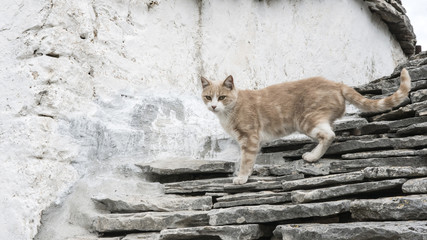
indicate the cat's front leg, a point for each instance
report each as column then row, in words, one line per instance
column 249, row 148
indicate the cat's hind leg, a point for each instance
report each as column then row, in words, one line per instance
column 324, row 134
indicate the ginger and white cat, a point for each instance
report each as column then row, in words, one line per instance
column 308, row 106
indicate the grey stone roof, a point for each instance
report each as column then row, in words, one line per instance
column 394, row 15
column 371, row 184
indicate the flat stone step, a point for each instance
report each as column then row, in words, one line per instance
column 176, row 168
column 413, row 207
column 149, row 221
column 394, row 172
column 138, row 203
column 275, row 213
column 407, row 111
column 418, row 185
column 418, row 128
column 142, row 236
column 230, row 232
column 404, row 230
column 386, row 153
column 363, row 145
column 303, row 196
column 360, row 164
column 255, row 198
column 226, row 184
column 314, row 182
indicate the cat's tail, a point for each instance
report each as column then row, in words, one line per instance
column 370, row 105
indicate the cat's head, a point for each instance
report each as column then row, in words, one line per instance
column 220, row 96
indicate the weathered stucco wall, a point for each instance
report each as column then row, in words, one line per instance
column 90, row 87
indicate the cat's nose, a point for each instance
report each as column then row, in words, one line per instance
column 213, row 107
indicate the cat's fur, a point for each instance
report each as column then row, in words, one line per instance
column 309, row 106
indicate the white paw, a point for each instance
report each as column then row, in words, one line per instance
column 310, row 157
column 240, row 180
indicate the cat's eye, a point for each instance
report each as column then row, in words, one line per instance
column 221, row 98
column 208, row 98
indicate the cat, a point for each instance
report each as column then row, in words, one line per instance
column 308, row 106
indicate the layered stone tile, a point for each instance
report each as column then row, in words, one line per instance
column 149, row 221
column 403, row 230
column 230, row 232
column 275, row 213
column 138, row 203
column 252, row 198
column 314, row 182
column 394, row 172
column 302, row 196
column 418, row 185
column 413, row 207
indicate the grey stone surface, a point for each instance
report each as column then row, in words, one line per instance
column 363, row 145
column 385, row 153
column 149, row 221
column 232, row 232
column 274, row 213
column 359, row 164
column 273, row 170
column 419, row 96
column 413, row 207
column 393, row 14
column 302, row 196
column 418, row 128
column 403, row 230
column 177, row 166
column 406, row 111
column 372, row 128
column 314, row 182
column 142, row 236
column 418, row 185
column 273, row 183
column 397, row 124
column 226, row 184
column 252, row 198
column 348, row 124
column 394, row 172
column 138, row 203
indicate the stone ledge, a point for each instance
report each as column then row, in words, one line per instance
column 413, row 207
column 231, row 232
column 405, row 230
column 303, row 196
column 275, row 213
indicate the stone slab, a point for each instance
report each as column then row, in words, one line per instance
column 314, row 182
column 348, row 124
column 374, row 144
column 231, row 232
column 406, row 111
column 226, row 184
column 385, row 153
column 359, row 164
column 261, row 185
column 179, row 166
column 419, row 96
column 413, row 207
column 364, row 145
column 372, row 128
column 302, row 196
column 138, row 203
column 394, row 172
column 403, row 230
column 252, row 198
column 275, row 213
column 142, row 236
column 149, row 221
column 418, row 185
column 415, row 129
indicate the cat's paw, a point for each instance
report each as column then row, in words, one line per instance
column 240, row 180
column 310, row 157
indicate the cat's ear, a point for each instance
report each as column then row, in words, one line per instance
column 205, row 82
column 228, row 83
